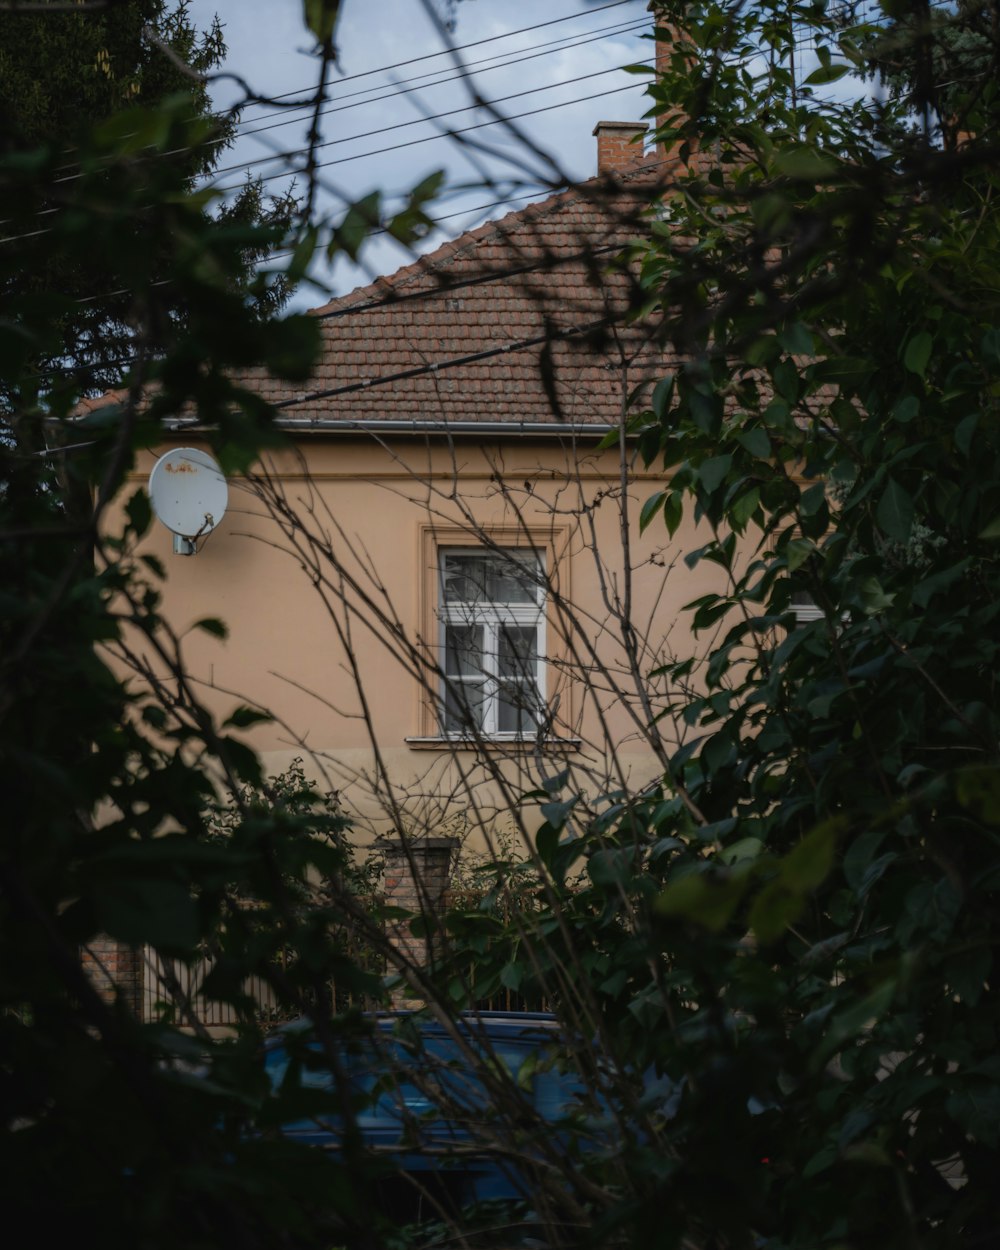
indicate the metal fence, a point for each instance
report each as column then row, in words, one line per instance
column 173, row 990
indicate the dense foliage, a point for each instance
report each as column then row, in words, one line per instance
column 64, row 73
column 116, row 1132
column 800, row 926
column 775, row 969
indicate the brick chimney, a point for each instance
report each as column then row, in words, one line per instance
column 619, row 146
column 668, row 37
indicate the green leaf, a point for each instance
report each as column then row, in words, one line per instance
column 809, row 864
column 741, row 851
column 673, row 511
column 155, row 910
column 709, row 902
column 874, row 598
column 321, row 18
column 847, row 1024
column 555, row 813
column 991, row 529
column 650, row 508
column 511, row 976
column 798, row 552
column 712, row 472
column 906, row 409
column 786, row 380
column 804, row 162
column 978, row 790
column 662, row 394
column 846, row 371
column 756, row 443
column 894, row 513
column 744, row 507
column 989, row 347
column 553, row 784
column 293, row 346
column 610, row 868
column 241, row 759
column 302, row 256
column 918, row 353
column 965, row 432
column 826, row 74
column 797, row 340
column 763, row 350
column 706, row 412
column 773, row 910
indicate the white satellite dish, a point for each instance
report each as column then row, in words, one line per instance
column 189, row 495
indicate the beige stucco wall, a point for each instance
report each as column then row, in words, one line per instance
column 330, row 607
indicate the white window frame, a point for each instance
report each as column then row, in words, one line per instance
column 491, row 618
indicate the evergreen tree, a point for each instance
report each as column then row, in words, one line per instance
column 63, row 73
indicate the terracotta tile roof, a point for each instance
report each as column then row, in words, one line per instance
column 537, row 300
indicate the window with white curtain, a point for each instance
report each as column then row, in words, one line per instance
column 491, row 608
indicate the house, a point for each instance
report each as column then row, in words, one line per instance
column 440, row 591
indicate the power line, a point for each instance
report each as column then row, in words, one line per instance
column 403, row 86
column 454, row 362
column 418, row 121
column 445, row 134
column 476, row 43
column 289, row 153
column 385, row 69
column 399, row 90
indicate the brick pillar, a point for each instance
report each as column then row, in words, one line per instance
column 417, row 874
column 116, row 970
column 619, row 146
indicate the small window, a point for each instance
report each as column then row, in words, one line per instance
column 491, row 609
column 805, row 607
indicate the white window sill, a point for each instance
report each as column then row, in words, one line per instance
column 445, row 742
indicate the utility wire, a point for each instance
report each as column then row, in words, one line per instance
column 450, row 133
column 453, row 362
column 290, row 153
column 443, row 134
column 428, row 56
column 305, row 113
column 405, row 85
column 433, row 117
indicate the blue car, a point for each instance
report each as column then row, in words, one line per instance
column 462, row 1114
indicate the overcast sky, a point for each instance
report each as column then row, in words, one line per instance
column 394, row 72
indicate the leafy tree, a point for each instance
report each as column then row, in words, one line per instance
column 943, row 58
column 62, row 73
column 115, row 1132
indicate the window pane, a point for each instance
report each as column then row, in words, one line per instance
column 516, row 709
column 513, row 578
column 463, row 650
column 510, row 577
column 518, row 654
column 464, row 706
column 462, row 578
